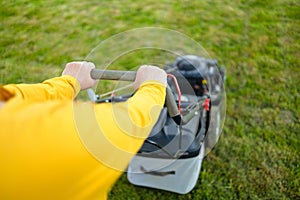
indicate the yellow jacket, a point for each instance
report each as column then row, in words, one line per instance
column 52, row 147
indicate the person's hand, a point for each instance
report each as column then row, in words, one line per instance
column 81, row 71
column 149, row 73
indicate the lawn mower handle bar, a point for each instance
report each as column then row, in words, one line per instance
column 130, row 76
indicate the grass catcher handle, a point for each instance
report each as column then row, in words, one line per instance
column 130, row 76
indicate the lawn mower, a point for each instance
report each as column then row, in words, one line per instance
column 188, row 127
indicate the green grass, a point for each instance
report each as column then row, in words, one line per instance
column 257, row 156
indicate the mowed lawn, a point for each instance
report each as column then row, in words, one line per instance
column 257, row 156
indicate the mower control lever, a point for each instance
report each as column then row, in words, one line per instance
column 130, row 76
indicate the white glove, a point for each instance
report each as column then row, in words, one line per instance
column 149, row 73
column 81, row 71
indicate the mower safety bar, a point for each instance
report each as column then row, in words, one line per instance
column 130, row 76
column 113, row 75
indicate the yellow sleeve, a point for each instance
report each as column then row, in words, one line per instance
column 63, row 149
column 64, row 87
column 126, row 125
column 120, row 128
column 149, row 98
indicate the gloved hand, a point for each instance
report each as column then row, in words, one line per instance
column 81, row 71
column 149, row 73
